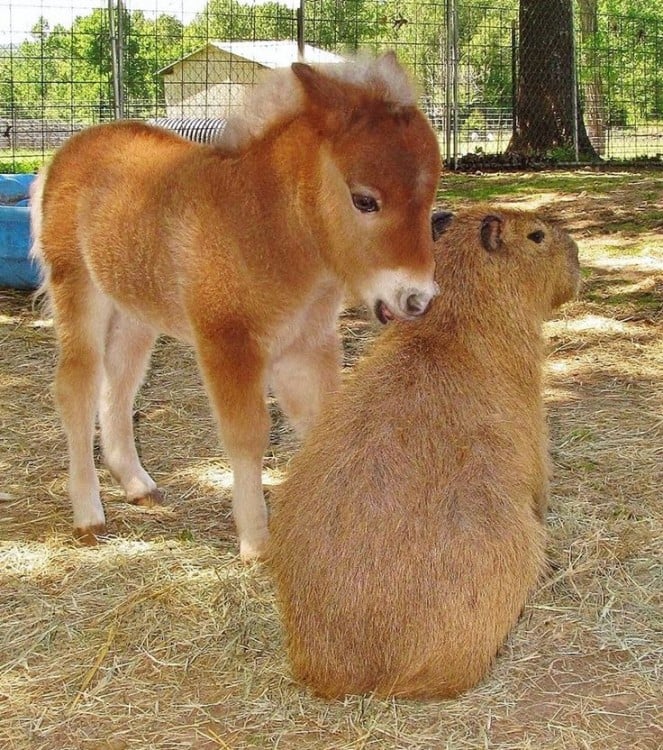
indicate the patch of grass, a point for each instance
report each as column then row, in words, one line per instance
column 186, row 535
column 646, row 301
column 577, row 435
column 622, row 208
column 504, row 186
column 626, row 250
column 19, row 163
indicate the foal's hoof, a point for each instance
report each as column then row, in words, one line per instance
column 90, row 536
column 253, row 551
column 153, row 499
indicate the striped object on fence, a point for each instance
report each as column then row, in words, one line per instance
column 201, row 130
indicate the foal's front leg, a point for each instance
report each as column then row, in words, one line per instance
column 233, row 370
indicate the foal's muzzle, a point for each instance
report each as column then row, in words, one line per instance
column 405, row 304
column 415, row 303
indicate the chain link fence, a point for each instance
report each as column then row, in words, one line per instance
column 503, row 82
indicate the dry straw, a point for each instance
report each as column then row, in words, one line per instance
column 161, row 638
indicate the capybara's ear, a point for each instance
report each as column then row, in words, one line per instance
column 440, row 220
column 491, row 232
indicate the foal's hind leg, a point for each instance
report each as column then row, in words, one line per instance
column 81, row 316
column 301, row 380
column 128, row 347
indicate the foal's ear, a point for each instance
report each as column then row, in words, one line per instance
column 389, row 66
column 321, row 90
column 491, row 232
column 389, row 57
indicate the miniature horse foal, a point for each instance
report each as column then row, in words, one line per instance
column 243, row 249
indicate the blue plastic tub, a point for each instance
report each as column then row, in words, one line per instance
column 16, row 269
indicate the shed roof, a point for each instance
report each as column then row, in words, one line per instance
column 268, row 53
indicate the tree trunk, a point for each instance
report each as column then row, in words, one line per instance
column 593, row 86
column 546, row 96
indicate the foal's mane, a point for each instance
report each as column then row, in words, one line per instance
column 278, row 96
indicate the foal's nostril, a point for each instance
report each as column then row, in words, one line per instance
column 416, row 304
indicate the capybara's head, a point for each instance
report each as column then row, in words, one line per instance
column 509, row 251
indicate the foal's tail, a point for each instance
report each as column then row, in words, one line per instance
column 36, row 250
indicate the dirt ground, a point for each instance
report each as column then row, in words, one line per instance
column 162, row 639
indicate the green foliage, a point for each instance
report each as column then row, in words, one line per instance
column 65, row 73
column 346, row 26
column 231, row 20
column 486, row 32
column 562, row 154
column 626, row 54
column 150, row 44
column 417, row 31
column 37, row 80
column 20, row 163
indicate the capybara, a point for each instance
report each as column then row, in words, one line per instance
column 408, row 532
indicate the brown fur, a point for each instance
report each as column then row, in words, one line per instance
column 244, row 249
column 408, row 531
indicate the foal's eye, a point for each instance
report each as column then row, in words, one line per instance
column 365, row 203
column 537, row 236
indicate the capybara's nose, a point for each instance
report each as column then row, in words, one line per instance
column 416, row 303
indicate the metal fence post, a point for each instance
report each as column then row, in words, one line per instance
column 514, row 78
column 456, row 123
column 448, row 83
column 300, row 29
column 451, row 83
column 115, row 23
column 574, row 93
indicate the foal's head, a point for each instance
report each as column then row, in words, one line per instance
column 375, row 164
column 380, row 165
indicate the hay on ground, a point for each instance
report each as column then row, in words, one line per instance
column 161, row 638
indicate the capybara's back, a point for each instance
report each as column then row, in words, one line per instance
column 409, row 530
